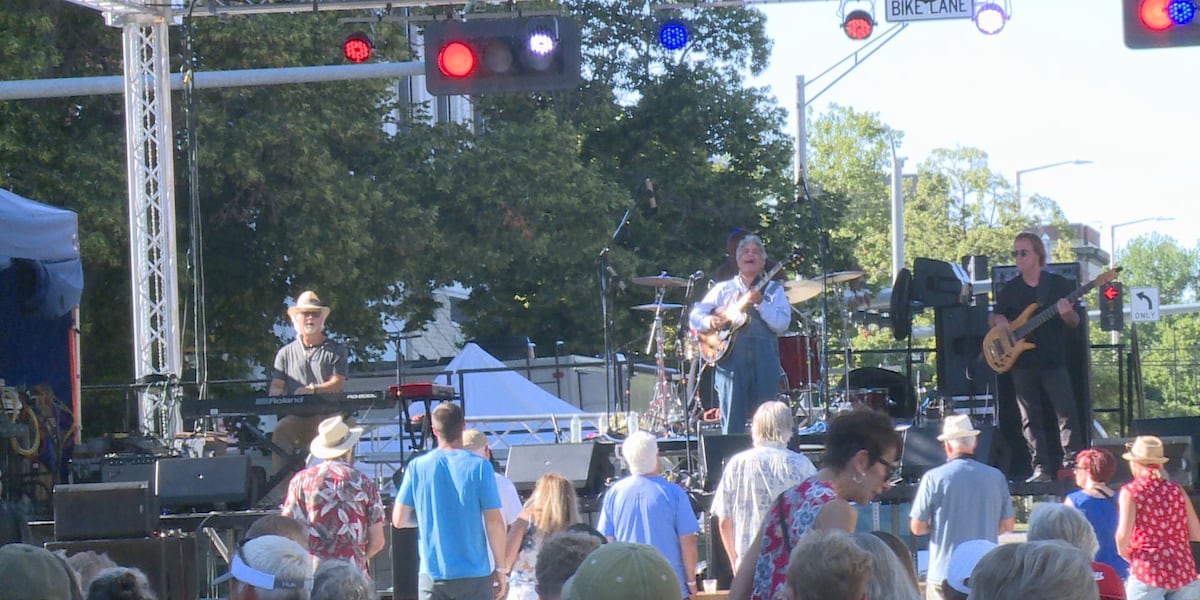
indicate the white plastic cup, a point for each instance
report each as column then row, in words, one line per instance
column 710, row 586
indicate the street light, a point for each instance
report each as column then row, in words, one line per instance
column 1112, row 235
column 1039, row 168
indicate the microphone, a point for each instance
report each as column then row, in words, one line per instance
column 697, row 274
column 613, row 273
column 650, row 190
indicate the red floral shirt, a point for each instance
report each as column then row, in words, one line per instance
column 337, row 503
column 1159, row 552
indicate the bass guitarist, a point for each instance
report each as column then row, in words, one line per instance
column 1040, row 375
column 748, row 372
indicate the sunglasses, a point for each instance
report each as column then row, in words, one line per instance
column 1022, row 252
column 893, row 471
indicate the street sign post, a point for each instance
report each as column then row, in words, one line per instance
column 927, row 10
column 1143, row 304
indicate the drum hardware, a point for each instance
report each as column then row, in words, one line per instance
column 665, row 413
column 840, row 276
column 662, row 280
column 801, row 290
column 657, row 306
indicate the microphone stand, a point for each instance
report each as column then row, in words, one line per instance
column 822, row 259
column 610, row 374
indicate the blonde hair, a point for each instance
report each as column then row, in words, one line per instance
column 553, row 506
column 827, row 565
column 1153, row 471
column 772, row 423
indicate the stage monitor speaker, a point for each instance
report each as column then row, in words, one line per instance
column 170, row 563
column 922, row 450
column 937, row 283
column 93, row 511
column 405, row 563
column 1181, row 465
column 715, row 451
column 219, row 481
column 717, row 563
column 1173, row 426
column 585, row 465
column 128, row 468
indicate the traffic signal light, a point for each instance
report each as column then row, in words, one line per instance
column 1112, row 307
column 1160, row 23
column 501, row 55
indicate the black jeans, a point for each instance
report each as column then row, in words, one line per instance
column 1034, row 387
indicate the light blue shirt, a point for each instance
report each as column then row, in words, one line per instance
column 647, row 509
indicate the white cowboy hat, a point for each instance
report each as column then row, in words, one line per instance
column 334, row 438
column 957, row 426
column 307, row 301
column 1145, row 449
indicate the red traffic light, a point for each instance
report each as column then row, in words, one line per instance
column 357, row 47
column 1110, row 292
column 456, row 60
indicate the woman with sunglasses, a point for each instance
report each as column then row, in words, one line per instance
column 862, row 450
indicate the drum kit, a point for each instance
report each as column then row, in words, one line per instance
column 799, row 355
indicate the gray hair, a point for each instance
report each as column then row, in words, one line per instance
column 88, row 565
column 120, row 583
column 281, row 557
column 340, row 580
column 773, row 422
column 1041, row 570
column 1053, row 521
column 641, row 452
column 889, row 579
column 964, row 444
column 750, row 239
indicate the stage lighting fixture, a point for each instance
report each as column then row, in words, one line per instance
column 990, row 18
column 673, row 35
column 858, row 25
column 501, row 55
column 357, row 47
column 1181, row 12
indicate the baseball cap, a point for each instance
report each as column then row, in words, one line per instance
column 1107, row 581
column 33, row 572
column 623, row 571
column 962, row 562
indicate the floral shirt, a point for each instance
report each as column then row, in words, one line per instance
column 750, row 482
column 338, row 504
column 1159, row 552
column 801, row 504
column 522, row 583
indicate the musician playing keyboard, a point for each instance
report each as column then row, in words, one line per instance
column 310, row 364
column 748, row 373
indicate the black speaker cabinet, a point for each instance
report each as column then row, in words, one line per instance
column 715, row 451
column 168, row 562
column 718, row 566
column 1174, row 426
column 1178, row 448
column 128, row 468
column 201, row 482
column 922, row 450
column 405, row 563
column 90, row 511
column 959, row 333
column 585, row 465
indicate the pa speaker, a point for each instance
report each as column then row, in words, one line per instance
column 715, row 451
column 170, row 563
column 922, row 451
column 92, row 511
column 718, row 566
column 405, row 563
column 1175, row 426
column 959, row 331
column 195, row 482
column 128, row 468
column 585, row 465
column 1181, row 465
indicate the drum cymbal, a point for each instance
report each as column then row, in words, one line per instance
column 658, row 306
column 661, row 281
column 799, row 290
column 841, row 276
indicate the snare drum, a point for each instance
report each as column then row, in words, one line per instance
column 801, row 360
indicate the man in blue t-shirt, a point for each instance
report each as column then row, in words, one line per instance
column 644, row 508
column 961, row 500
column 450, row 495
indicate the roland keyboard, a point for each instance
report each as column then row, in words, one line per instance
column 305, row 405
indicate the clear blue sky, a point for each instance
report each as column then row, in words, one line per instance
column 1056, row 84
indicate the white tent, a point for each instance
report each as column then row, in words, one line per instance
column 489, row 390
column 47, row 235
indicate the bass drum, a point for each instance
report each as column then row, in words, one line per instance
column 800, row 358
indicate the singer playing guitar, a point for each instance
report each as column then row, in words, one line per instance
column 1040, row 374
column 748, row 373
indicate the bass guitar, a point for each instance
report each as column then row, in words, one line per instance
column 1001, row 348
column 714, row 344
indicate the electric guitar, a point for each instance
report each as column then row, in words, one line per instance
column 714, row 344
column 1001, row 348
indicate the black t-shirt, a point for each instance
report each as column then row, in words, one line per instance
column 1016, row 296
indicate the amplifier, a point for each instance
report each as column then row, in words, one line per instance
column 128, row 468
column 219, row 481
column 93, row 511
column 170, row 563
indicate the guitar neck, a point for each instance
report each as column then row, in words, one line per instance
column 1050, row 312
